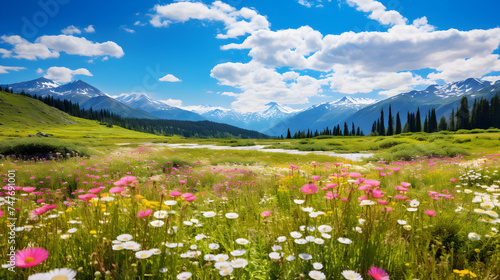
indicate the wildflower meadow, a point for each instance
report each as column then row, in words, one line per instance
column 138, row 214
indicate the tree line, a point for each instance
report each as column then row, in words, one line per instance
column 336, row 131
column 484, row 114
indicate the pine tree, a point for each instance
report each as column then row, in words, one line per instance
column 442, row 124
column 451, row 120
column 418, row 121
column 426, row 125
column 398, row 124
column 495, row 111
column 381, row 131
column 358, row 132
column 433, row 124
column 463, row 114
column 288, row 134
column 390, row 125
column 353, row 130
column 346, row 129
column 473, row 121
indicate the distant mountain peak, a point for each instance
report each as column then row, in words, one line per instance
column 349, row 100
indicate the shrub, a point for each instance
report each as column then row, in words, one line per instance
column 33, row 147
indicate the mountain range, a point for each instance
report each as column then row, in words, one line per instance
column 276, row 118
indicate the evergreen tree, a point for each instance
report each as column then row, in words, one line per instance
column 390, row 125
column 433, row 124
column 418, row 121
column 358, row 132
column 463, row 114
column 381, row 131
column 288, row 134
column 346, row 129
column 426, row 125
column 495, row 111
column 451, row 120
column 353, row 130
column 398, row 124
column 442, row 124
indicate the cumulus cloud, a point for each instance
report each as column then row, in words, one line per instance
column 89, row 29
column 5, row 53
column 169, row 78
column 71, row 30
column 172, row 102
column 50, row 47
column 236, row 22
column 461, row 69
column 64, row 74
column 491, row 78
column 378, row 12
column 260, row 85
column 39, row 71
column 6, row 69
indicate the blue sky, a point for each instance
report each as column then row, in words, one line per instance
column 243, row 54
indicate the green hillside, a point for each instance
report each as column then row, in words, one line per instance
column 21, row 116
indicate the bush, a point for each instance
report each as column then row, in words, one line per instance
column 410, row 151
column 34, row 147
column 388, row 143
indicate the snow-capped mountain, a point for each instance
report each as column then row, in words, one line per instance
column 320, row 116
column 443, row 98
column 78, row 87
column 157, row 108
column 260, row 121
column 80, row 92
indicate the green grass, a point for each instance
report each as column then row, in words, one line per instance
column 22, row 116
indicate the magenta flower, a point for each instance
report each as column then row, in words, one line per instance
column 86, row 197
column 266, row 213
column 404, row 184
column 49, row 207
column 371, row 182
column 354, row 175
column 316, row 178
column 430, row 213
column 378, row 273
column 1, row 213
column 309, row 188
column 182, row 181
column 116, row 189
column 293, row 167
column 39, row 211
column 399, row 197
column 174, row 193
column 384, row 202
column 30, row 257
column 144, row 213
column 95, row 190
column 377, row 193
column 29, row 189
column 331, row 185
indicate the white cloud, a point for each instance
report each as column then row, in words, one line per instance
column 288, row 47
column 50, row 47
column 260, row 85
column 491, row 78
column 6, row 69
column 138, row 23
column 105, row 58
column 65, row 75
column 89, row 29
column 461, row 69
column 39, row 71
column 5, row 53
column 169, row 78
column 71, row 30
column 305, row 3
column 128, row 30
column 236, row 22
column 378, row 12
column 172, row 102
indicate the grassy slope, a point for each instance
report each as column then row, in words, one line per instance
column 22, row 116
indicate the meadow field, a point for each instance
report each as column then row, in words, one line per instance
column 140, row 211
